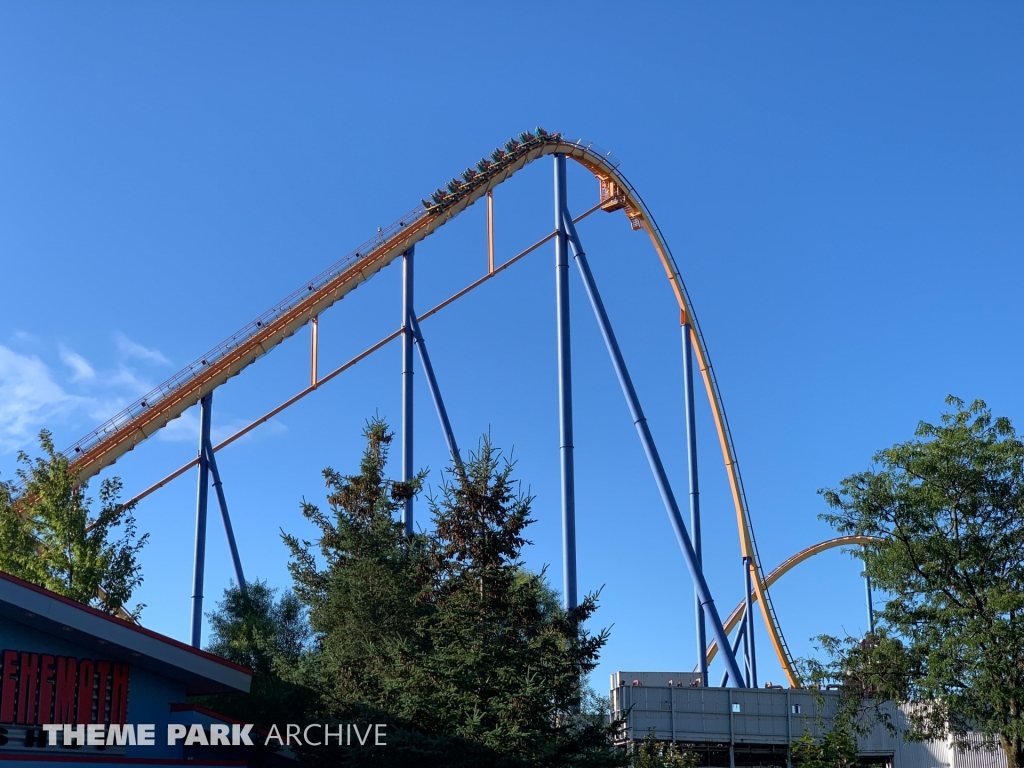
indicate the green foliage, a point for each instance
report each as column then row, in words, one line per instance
column 253, row 629
column 651, row 753
column 836, row 749
column 48, row 537
column 444, row 635
column 269, row 636
column 947, row 509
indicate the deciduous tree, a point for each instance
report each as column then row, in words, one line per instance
column 947, row 513
column 48, row 535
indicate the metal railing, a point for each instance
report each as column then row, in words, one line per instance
column 187, row 374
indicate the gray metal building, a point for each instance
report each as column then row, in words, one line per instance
column 756, row 726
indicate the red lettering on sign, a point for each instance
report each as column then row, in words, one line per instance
column 64, row 703
column 45, row 688
column 86, row 685
column 40, row 689
column 102, row 677
column 27, row 678
column 119, row 695
column 8, row 679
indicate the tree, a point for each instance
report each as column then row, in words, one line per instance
column 443, row 635
column 837, row 748
column 268, row 635
column 49, row 537
column 947, row 513
column 651, row 753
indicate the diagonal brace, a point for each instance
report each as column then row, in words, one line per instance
column 741, row 635
column 653, row 458
column 435, row 391
column 223, row 504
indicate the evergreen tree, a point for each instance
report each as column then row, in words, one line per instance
column 444, row 635
column 48, row 536
column 364, row 600
column 268, row 635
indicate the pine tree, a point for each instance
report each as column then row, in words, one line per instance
column 445, row 635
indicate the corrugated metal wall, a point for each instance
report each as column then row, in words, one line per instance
column 770, row 717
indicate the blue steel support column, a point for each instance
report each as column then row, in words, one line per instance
column 435, row 391
column 653, row 458
column 748, row 618
column 229, row 531
column 565, row 391
column 691, row 448
column 407, row 345
column 741, row 633
column 199, row 571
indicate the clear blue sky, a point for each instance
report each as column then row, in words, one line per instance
column 842, row 187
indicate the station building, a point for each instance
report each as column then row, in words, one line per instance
column 756, row 726
column 62, row 662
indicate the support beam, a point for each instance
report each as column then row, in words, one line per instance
column 435, row 391
column 229, row 531
column 314, row 349
column 490, row 231
column 407, row 345
column 741, row 633
column 199, row 563
column 691, row 449
column 748, row 620
column 565, row 437
column 653, row 458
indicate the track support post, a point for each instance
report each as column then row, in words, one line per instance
column 407, row 349
column 651, row 450
column 490, row 231
column 691, row 451
column 314, row 349
column 565, row 450
column 199, row 563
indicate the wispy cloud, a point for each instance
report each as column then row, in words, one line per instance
column 185, row 429
column 127, row 379
column 133, row 349
column 75, row 394
column 79, row 365
column 29, row 398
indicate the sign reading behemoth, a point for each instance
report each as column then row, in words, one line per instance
column 41, row 688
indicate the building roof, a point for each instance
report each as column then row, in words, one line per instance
column 119, row 640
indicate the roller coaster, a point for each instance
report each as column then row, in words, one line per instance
column 196, row 382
